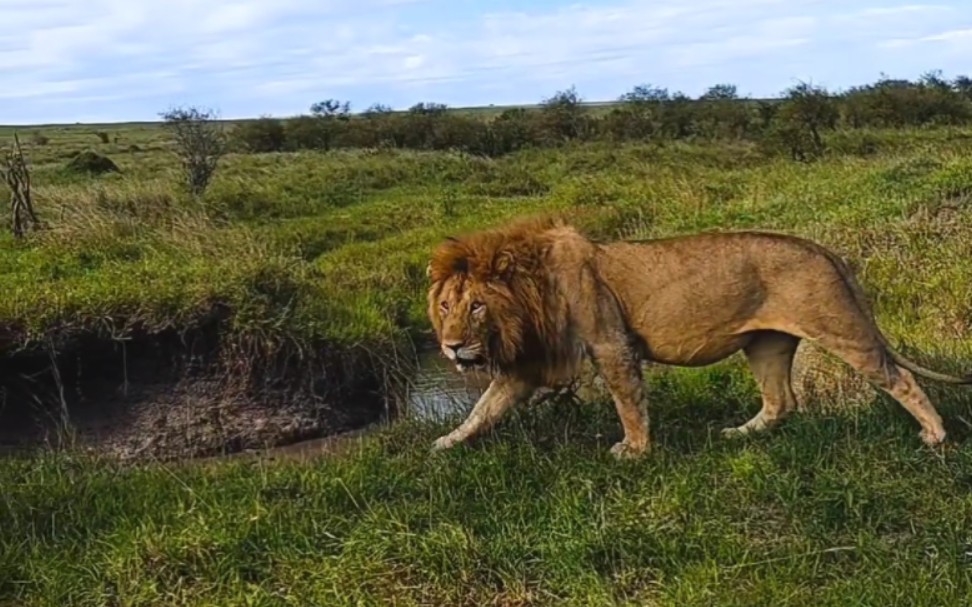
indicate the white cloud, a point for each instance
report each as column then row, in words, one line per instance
column 280, row 55
column 962, row 36
column 953, row 41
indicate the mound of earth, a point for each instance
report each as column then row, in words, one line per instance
column 92, row 163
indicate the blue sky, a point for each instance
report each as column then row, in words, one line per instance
column 116, row 60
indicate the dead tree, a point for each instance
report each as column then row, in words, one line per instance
column 16, row 174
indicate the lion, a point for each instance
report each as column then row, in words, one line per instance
column 531, row 301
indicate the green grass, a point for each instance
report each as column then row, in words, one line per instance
column 832, row 510
column 841, row 506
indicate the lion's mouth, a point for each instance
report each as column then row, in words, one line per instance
column 469, row 360
column 465, row 358
column 466, row 363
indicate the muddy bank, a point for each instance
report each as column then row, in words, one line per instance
column 169, row 396
column 176, row 396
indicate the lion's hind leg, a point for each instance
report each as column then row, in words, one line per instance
column 906, row 391
column 877, row 367
column 770, row 357
column 867, row 355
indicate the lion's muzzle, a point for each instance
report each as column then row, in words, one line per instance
column 464, row 355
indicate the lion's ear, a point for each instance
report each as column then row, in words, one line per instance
column 428, row 270
column 503, row 264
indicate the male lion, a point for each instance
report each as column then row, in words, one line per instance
column 531, row 300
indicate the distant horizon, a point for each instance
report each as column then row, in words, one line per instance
column 487, row 106
column 124, row 61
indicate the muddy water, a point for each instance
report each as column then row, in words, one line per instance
column 438, row 391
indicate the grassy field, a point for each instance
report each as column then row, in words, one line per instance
column 327, row 252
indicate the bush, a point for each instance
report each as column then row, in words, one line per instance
column 512, row 130
column 262, row 135
column 200, row 143
column 794, row 125
column 331, row 117
column 563, row 118
column 305, row 133
column 722, row 114
column 898, row 103
column 806, row 113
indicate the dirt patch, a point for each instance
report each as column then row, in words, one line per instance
column 166, row 398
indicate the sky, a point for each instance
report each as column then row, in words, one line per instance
column 65, row 61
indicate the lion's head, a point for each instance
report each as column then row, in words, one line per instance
column 487, row 301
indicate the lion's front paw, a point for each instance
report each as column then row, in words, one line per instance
column 932, row 437
column 734, row 432
column 623, row 450
column 442, row 443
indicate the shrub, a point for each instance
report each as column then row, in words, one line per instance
column 898, row 103
column 794, row 124
column 200, row 143
column 563, row 118
column 265, row 134
column 805, row 114
column 331, row 117
column 722, row 114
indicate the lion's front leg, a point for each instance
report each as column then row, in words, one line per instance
column 502, row 393
column 620, row 367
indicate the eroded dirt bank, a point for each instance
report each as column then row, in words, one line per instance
column 180, row 396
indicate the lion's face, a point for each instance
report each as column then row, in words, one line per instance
column 484, row 300
column 464, row 321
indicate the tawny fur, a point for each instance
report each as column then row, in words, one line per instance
column 528, row 301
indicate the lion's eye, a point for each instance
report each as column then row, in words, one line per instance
column 445, row 306
column 476, row 306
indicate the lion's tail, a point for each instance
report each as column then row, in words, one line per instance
column 896, row 356
column 916, row 368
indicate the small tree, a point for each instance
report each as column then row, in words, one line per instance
column 563, row 117
column 200, row 143
column 679, row 120
column 331, row 108
column 331, row 116
column 963, row 86
column 723, row 113
column 428, row 108
column 375, row 129
column 805, row 113
column 639, row 115
column 510, row 131
column 720, row 92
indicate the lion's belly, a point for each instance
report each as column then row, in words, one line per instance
column 689, row 348
column 680, row 329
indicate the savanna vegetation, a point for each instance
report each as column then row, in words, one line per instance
column 298, row 247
